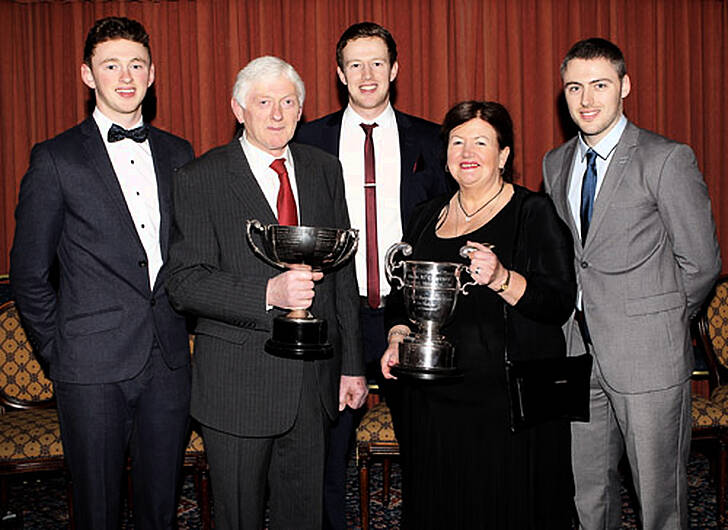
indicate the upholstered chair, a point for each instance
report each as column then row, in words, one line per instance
column 30, row 436
column 710, row 414
column 374, row 439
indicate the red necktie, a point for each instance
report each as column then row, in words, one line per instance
column 285, row 203
column 370, row 200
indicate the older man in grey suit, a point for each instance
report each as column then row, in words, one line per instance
column 646, row 256
column 264, row 418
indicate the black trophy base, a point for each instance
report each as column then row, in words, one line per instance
column 427, row 374
column 299, row 338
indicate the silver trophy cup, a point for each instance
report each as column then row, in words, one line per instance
column 430, row 290
column 299, row 334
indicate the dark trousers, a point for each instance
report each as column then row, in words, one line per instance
column 291, row 465
column 147, row 415
column 374, row 337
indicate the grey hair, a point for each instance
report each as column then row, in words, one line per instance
column 266, row 67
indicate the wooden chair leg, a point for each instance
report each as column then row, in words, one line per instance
column 364, row 490
column 203, row 497
column 197, row 480
column 386, row 469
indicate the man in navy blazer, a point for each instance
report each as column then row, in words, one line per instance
column 87, row 273
column 409, row 169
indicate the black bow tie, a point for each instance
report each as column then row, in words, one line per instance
column 139, row 134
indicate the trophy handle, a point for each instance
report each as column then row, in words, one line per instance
column 465, row 252
column 390, row 266
column 254, row 224
column 349, row 238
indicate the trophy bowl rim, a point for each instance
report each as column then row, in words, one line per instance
column 341, row 243
column 431, row 263
column 309, row 228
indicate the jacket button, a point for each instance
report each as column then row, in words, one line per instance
column 584, row 264
column 153, row 302
column 142, row 264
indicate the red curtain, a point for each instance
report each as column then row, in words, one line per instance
column 449, row 50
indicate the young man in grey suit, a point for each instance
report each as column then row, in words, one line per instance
column 87, row 272
column 646, row 255
column 264, row 418
column 408, row 170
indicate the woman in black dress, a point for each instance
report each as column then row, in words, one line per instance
column 462, row 466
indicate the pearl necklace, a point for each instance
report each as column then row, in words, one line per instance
column 469, row 216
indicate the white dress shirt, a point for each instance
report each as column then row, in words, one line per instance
column 134, row 168
column 387, row 167
column 268, row 180
column 604, row 150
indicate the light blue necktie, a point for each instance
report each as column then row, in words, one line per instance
column 588, row 188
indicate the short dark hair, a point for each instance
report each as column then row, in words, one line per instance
column 596, row 48
column 111, row 28
column 360, row 31
column 491, row 112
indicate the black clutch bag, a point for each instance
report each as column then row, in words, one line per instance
column 541, row 390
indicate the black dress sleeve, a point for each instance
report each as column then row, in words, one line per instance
column 544, row 255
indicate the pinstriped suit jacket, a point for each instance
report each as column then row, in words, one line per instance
column 650, row 258
column 237, row 387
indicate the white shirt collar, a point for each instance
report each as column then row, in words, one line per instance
column 607, row 144
column 262, row 159
column 104, row 123
column 386, row 119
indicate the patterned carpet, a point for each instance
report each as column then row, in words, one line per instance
column 42, row 501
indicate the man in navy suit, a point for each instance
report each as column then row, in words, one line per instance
column 87, row 273
column 408, row 169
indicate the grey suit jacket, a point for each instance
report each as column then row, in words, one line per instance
column 237, row 387
column 650, row 258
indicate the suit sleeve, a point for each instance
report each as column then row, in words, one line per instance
column 38, row 227
column 545, row 175
column 684, row 207
column 197, row 284
column 186, row 153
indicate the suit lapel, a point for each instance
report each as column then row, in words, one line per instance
column 408, row 153
column 306, row 188
column 333, row 134
column 561, row 189
column 245, row 186
column 99, row 159
column 613, row 178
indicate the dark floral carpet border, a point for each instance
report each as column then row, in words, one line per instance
column 42, row 500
